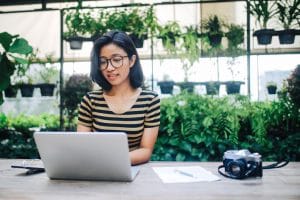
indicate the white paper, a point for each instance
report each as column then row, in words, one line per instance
column 184, row 174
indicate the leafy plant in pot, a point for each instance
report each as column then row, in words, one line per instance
column 14, row 51
column 169, row 33
column 189, row 53
column 293, row 87
column 78, row 24
column 48, row 75
column 233, row 86
column 138, row 25
column 263, row 10
column 288, row 13
column 166, row 85
column 271, row 87
column 213, row 30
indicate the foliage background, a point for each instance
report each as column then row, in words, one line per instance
column 193, row 128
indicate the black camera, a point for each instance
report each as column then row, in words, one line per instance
column 241, row 164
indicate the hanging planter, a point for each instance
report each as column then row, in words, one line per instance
column 286, row 36
column 288, row 14
column 76, row 42
column 264, row 36
column 47, row 89
column 27, row 90
column 272, row 89
column 166, row 87
column 212, row 88
column 233, row 87
column 186, row 86
column 138, row 41
column 11, row 91
column 215, row 39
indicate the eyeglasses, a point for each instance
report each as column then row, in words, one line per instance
column 115, row 61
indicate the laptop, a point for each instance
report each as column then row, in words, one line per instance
column 86, row 155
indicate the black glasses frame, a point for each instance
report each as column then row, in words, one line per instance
column 111, row 62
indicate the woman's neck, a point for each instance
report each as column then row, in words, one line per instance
column 121, row 90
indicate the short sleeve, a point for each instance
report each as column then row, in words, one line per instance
column 152, row 118
column 85, row 112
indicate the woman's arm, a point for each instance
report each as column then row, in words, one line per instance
column 81, row 128
column 143, row 154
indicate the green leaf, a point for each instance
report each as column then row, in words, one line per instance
column 186, row 146
column 5, row 40
column 198, row 138
column 174, row 141
column 207, row 122
column 20, row 46
column 180, row 157
column 19, row 60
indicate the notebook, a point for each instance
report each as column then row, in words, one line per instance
column 86, row 155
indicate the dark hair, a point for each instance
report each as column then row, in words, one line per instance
column 123, row 41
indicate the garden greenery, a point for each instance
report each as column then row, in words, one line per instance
column 193, row 128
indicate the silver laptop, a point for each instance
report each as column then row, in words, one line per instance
column 86, row 155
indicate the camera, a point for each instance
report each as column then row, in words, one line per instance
column 241, row 164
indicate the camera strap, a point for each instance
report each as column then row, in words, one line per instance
column 278, row 164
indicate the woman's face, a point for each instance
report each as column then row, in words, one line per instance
column 115, row 64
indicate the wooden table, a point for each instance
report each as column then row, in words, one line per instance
column 282, row 183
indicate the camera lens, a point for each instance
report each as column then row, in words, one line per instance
column 236, row 168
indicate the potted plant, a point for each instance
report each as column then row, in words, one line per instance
column 271, row 87
column 189, row 53
column 14, row 50
column 235, row 37
column 212, row 87
column 169, row 34
column 76, row 22
column 48, row 75
column 233, row 86
column 288, row 13
column 293, row 87
column 263, row 10
column 138, row 25
column 166, row 85
column 213, row 30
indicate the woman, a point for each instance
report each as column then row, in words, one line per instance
column 121, row 104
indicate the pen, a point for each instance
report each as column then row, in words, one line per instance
column 184, row 173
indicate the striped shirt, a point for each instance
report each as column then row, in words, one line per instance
column 145, row 113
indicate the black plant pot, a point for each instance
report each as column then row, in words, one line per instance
column 27, row 90
column 76, row 42
column 166, row 87
column 233, row 87
column 47, row 89
column 212, row 88
column 264, row 36
column 186, row 86
column 272, row 89
column 170, row 38
column 138, row 41
column 286, row 36
column 215, row 40
column 11, row 91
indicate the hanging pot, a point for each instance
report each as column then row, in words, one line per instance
column 272, row 89
column 186, row 86
column 166, row 87
column 47, row 89
column 138, row 41
column 286, row 36
column 11, row 91
column 27, row 90
column 264, row 36
column 212, row 88
column 233, row 87
column 215, row 39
